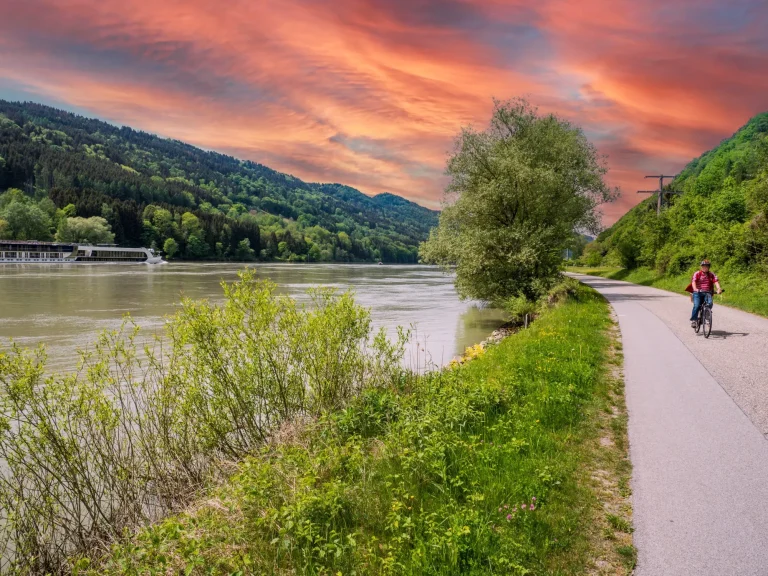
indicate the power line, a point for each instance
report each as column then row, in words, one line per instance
column 661, row 192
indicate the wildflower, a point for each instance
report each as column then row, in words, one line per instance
column 514, row 509
column 506, row 506
column 509, row 517
column 533, row 507
column 534, row 498
column 499, row 509
column 523, row 506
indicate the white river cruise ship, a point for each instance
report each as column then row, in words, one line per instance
column 30, row 252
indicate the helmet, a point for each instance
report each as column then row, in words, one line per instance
column 705, row 262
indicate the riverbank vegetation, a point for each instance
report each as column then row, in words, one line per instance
column 136, row 432
column 164, row 194
column 318, row 455
column 492, row 467
column 721, row 214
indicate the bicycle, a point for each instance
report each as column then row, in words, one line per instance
column 704, row 319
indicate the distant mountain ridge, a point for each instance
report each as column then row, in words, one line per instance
column 128, row 175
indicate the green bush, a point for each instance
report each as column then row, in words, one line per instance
column 520, row 307
column 134, row 433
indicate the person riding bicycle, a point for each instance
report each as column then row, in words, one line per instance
column 702, row 283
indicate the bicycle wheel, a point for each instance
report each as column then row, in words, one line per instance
column 707, row 322
column 699, row 321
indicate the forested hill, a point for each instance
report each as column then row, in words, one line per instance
column 144, row 185
column 721, row 214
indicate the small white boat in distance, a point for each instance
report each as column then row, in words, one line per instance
column 31, row 252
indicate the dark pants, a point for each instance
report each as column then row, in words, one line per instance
column 698, row 299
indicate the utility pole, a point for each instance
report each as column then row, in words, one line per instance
column 660, row 191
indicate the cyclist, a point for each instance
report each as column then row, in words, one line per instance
column 702, row 284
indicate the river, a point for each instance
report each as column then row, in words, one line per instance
column 65, row 306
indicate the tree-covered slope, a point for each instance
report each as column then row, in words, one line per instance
column 143, row 185
column 721, row 214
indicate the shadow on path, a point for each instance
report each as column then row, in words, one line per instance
column 611, row 297
column 723, row 334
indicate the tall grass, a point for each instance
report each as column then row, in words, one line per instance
column 478, row 469
column 129, row 438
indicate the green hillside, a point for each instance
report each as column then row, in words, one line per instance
column 143, row 186
column 722, row 214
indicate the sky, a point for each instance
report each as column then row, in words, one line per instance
column 372, row 93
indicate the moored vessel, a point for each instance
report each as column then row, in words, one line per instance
column 32, row 252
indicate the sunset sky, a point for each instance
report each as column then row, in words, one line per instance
column 370, row 93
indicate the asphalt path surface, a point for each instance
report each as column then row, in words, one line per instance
column 698, row 419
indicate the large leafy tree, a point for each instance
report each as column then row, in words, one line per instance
column 21, row 218
column 518, row 190
column 93, row 230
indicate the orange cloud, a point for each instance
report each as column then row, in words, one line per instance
column 371, row 93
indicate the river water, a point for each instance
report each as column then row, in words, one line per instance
column 65, row 306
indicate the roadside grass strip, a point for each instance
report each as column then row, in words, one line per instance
column 746, row 291
column 512, row 463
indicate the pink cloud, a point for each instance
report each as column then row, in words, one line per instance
column 371, row 94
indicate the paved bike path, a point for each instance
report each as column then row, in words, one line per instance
column 698, row 414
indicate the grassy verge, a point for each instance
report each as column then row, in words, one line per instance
column 748, row 292
column 514, row 463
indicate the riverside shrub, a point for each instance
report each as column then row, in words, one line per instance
column 136, row 432
column 475, row 470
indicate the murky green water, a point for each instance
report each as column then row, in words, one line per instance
column 65, row 306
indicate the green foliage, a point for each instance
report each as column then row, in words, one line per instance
column 300, row 361
column 519, row 190
column 69, row 211
column 22, row 218
column 196, row 247
column 721, row 215
column 128, row 177
column 474, row 470
column 520, row 308
column 170, row 248
column 244, row 251
column 577, row 244
column 135, row 433
column 93, row 230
